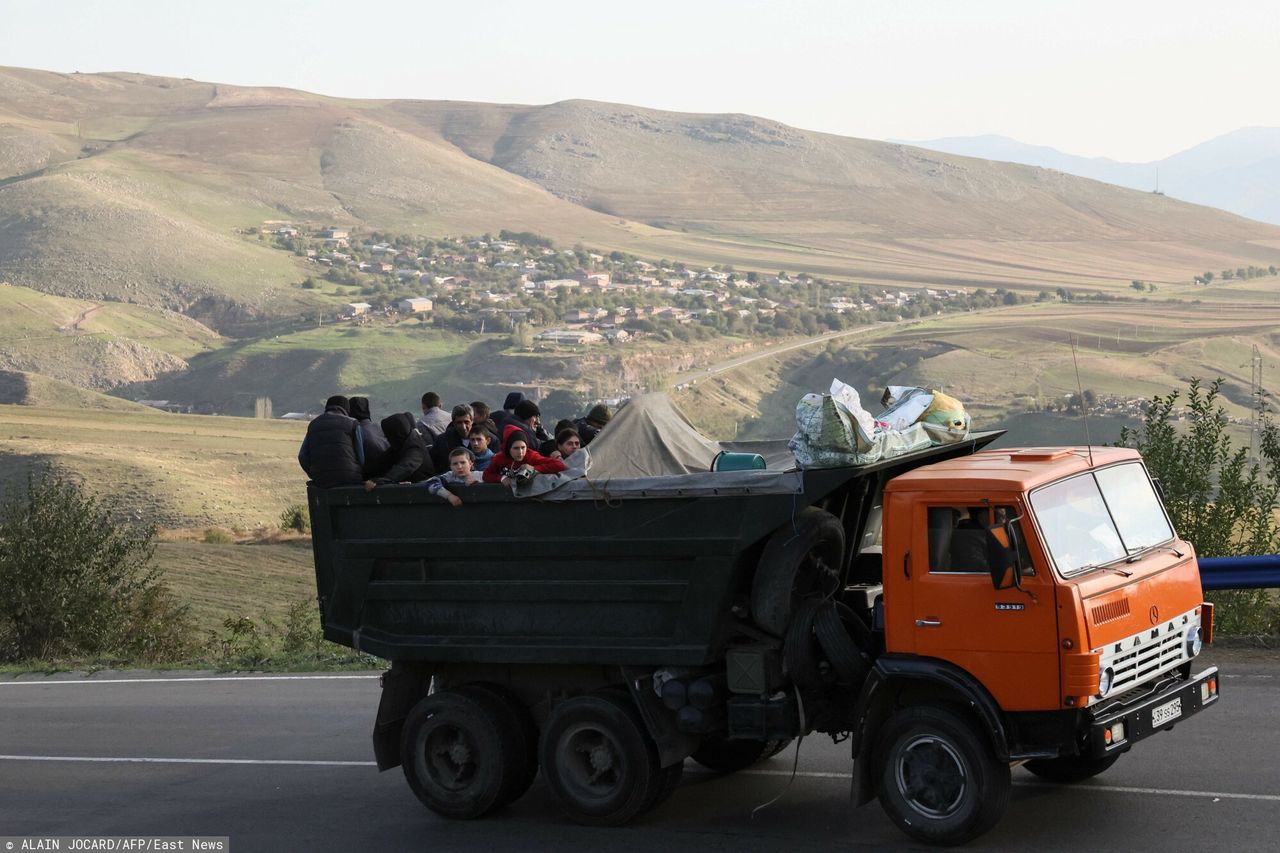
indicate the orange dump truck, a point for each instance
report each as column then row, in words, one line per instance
column 955, row 612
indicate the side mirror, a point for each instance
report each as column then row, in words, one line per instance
column 1005, row 556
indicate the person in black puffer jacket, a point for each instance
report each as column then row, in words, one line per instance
column 332, row 453
column 376, row 445
column 409, row 454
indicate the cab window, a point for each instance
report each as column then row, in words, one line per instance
column 972, row 539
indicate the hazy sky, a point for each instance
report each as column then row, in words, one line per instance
column 1130, row 80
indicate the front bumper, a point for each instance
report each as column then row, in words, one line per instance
column 1149, row 711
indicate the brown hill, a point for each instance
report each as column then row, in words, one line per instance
column 129, row 187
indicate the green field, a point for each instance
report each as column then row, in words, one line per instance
column 176, row 470
column 254, row 580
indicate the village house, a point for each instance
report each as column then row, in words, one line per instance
column 551, row 285
column 381, row 267
column 334, row 234
column 414, row 305
column 354, row 309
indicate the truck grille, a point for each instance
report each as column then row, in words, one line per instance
column 1148, row 661
column 1138, row 659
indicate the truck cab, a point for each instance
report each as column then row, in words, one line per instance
column 1047, row 591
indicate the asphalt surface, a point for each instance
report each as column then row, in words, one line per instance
column 284, row 763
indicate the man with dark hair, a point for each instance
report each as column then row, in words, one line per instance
column 590, row 426
column 455, row 435
column 375, row 443
column 332, row 453
column 434, row 418
column 480, row 418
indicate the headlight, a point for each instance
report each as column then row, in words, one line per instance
column 1105, row 679
column 1195, row 641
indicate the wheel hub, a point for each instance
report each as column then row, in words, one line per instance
column 931, row 776
column 601, row 758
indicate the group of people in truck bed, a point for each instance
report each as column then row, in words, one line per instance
column 469, row 444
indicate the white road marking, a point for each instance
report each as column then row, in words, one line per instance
column 197, row 680
column 804, row 774
column 135, row 760
column 1118, row 789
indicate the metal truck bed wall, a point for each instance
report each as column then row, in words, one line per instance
column 403, row 575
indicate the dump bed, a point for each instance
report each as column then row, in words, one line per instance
column 615, row 576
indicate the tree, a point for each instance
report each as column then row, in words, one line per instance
column 1207, row 276
column 521, row 336
column 1138, row 285
column 77, row 582
column 1219, row 499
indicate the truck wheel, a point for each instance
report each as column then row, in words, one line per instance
column 939, row 780
column 1075, row 768
column 801, row 560
column 458, row 753
column 516, row 717
column 725, row 755
column 599, row 761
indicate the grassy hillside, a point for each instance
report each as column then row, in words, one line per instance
column 128, row 186
column 176, row 470
column 257, row 579
column 32, row 389
column 1006, row 363
column 94, row 344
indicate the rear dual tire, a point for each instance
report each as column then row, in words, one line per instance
column 468, row 751
column 600, row 762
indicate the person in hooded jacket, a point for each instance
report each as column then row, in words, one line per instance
column 375, row 442
column 506, row 415
column 409, row 455
column 332, row 453
column 517, row 457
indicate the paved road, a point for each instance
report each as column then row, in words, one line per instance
column 284, row 764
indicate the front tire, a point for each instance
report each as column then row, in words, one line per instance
column 939, row 780
column 1070, row 769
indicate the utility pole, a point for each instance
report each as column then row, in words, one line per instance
column 1257, row 398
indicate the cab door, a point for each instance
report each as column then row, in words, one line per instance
column 1007, row 639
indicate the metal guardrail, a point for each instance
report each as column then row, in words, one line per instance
column 1257, row 572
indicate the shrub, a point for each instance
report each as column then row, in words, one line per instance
column 76, row 582
column 216, row 536
column 296, row 517
column 1219, row 500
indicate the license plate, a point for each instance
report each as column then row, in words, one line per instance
column 1162, row 714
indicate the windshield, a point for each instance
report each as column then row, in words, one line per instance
column 1100, row 517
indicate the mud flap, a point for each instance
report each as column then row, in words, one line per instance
column 402, row 686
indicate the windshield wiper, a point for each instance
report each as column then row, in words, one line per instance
column 1136, row 554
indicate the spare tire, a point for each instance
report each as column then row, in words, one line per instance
column 803, row 559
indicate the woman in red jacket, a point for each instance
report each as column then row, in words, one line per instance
column 517, row 461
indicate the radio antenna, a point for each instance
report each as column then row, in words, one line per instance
column 1084, row 409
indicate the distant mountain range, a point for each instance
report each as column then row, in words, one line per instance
column 1237, row 172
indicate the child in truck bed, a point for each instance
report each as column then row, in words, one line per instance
column 459, row 474
column 517, row 461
